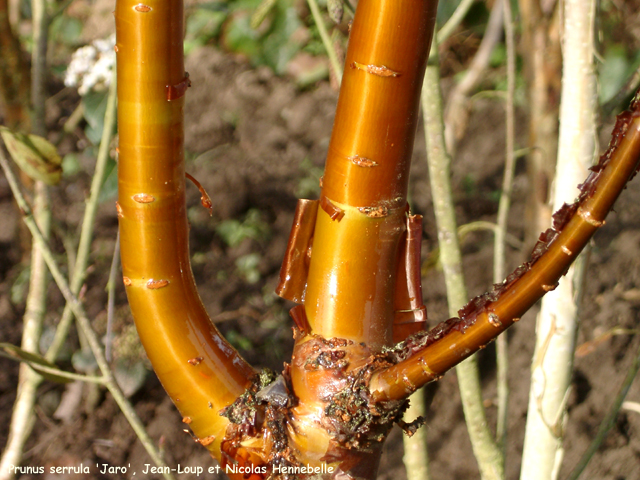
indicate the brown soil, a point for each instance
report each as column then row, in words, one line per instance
column 256, row 129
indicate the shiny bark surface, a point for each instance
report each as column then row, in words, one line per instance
column 201, row 372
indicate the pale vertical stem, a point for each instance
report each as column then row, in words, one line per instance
column 455, row 20
column 22, row 418
column 484, row 447
column 456, row 112
column 326, row 40
column 39, row 65
column 88, row 221
column 499, row 259
column 557, row 322
column 416, row 457
column 78, row 310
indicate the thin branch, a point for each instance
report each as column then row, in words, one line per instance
column 88, row 221
column 455, row 20
column 558, row 321
column 111, row 299
column 83, row 321
column 22, row 418
column 487, row 454
column 499, row 258
column 416, row 456
column 425, row 357
column 38, row 367
column 456, row 113
column 326, row 40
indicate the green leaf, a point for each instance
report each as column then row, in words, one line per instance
column 233, row 232
column 36, row 156
column 94, row 107
column 613, row 72
column 130, row 376
column 67, row 30
column 33, row 360
column 247, row 265
column 273, row 45
column 84, row 361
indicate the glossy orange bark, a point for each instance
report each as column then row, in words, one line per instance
column 201, row 372
column 327, row 409
column 352, row 274
column 575, row 227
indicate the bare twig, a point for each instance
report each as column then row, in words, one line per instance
column 455, row 20
column 79, row 312
column 457, row 111
column 416, row 457
column 22, row 418
column 88, row 221
column 111, row 299
column 499, row 258
column 486, row 451
column 326, row 40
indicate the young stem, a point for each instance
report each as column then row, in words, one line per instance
column 353, row 265
column 485, row 317
column 450, row 26
column 326, row 39
column 416, row 457
column 484, row 448
column 199, row 370
column 79, row 271
column 557, row 322
column 23, row 416
column 458, row 106
column 542, row 65
column 500, row 256
column 80, row 314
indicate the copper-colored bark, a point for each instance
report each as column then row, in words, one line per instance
column 171, row 320
column 352, row 275
column 426, row 357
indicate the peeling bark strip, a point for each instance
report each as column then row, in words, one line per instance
column 175, row 92
column 205, row 199
column 379, row 70
column 410, row 311
column 487, row 315
column 334, row 212
column 295, row 265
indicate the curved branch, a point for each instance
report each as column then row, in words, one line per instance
column 425, row 357
column 201, row 372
